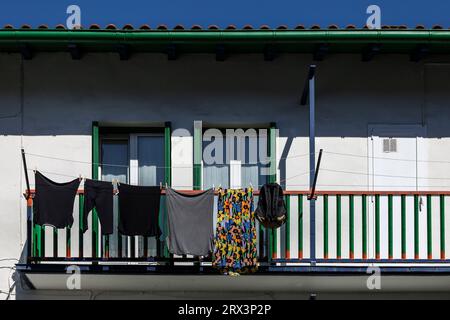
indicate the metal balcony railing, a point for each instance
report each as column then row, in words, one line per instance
column 351, row 226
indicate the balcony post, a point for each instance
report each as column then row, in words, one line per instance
column 312, row 161
column 29, row 199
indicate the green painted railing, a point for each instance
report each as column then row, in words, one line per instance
column 350, row 225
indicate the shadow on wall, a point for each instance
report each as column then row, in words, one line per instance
column 60, row 96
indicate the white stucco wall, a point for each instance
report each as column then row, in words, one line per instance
column 50, row 112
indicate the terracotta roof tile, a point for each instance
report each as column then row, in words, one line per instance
column 128, row 27
column 230, row 27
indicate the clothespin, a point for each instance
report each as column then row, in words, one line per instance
column 80, row 177
column 160, row 185
column 166, row 185
column 35, row 169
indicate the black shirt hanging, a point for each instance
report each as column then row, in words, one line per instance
column 53, row 201
column 139, row 210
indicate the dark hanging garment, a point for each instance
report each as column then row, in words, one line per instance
column 53, row 201
column 190, row 222
column 139, row 210
column 99, row 195
column 271, row 211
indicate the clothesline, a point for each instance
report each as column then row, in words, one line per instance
column 383, row 175
column 159, row 167
column 332, row 153
column 349, row 172
column 343, row 154
column 75, row 177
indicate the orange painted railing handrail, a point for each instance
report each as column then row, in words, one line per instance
column 326, row 192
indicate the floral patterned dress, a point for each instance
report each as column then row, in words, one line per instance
column 235, row 248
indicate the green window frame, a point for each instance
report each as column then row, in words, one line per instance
column 96, row 130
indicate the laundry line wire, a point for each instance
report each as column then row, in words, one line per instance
column 369, row 187
column 332, row 153
column 289, row 178
column 75, row 177
column 383, row 158
column 160, row 167
column 382, row 175
column 297, row 175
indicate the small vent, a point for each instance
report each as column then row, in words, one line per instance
column 389, row 145
column 393, row 145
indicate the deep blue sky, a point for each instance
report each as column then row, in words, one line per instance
column 222, row 13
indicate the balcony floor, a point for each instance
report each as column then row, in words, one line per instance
column 287, row 277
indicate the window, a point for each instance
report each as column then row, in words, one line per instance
column 137, row 159
column 234, row 158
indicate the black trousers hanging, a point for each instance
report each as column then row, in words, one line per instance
column 99, row 195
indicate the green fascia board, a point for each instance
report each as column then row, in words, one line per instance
column 241, row 41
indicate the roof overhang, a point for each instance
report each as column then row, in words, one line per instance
column 232, row 41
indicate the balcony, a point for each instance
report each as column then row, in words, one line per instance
column 401, row 233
